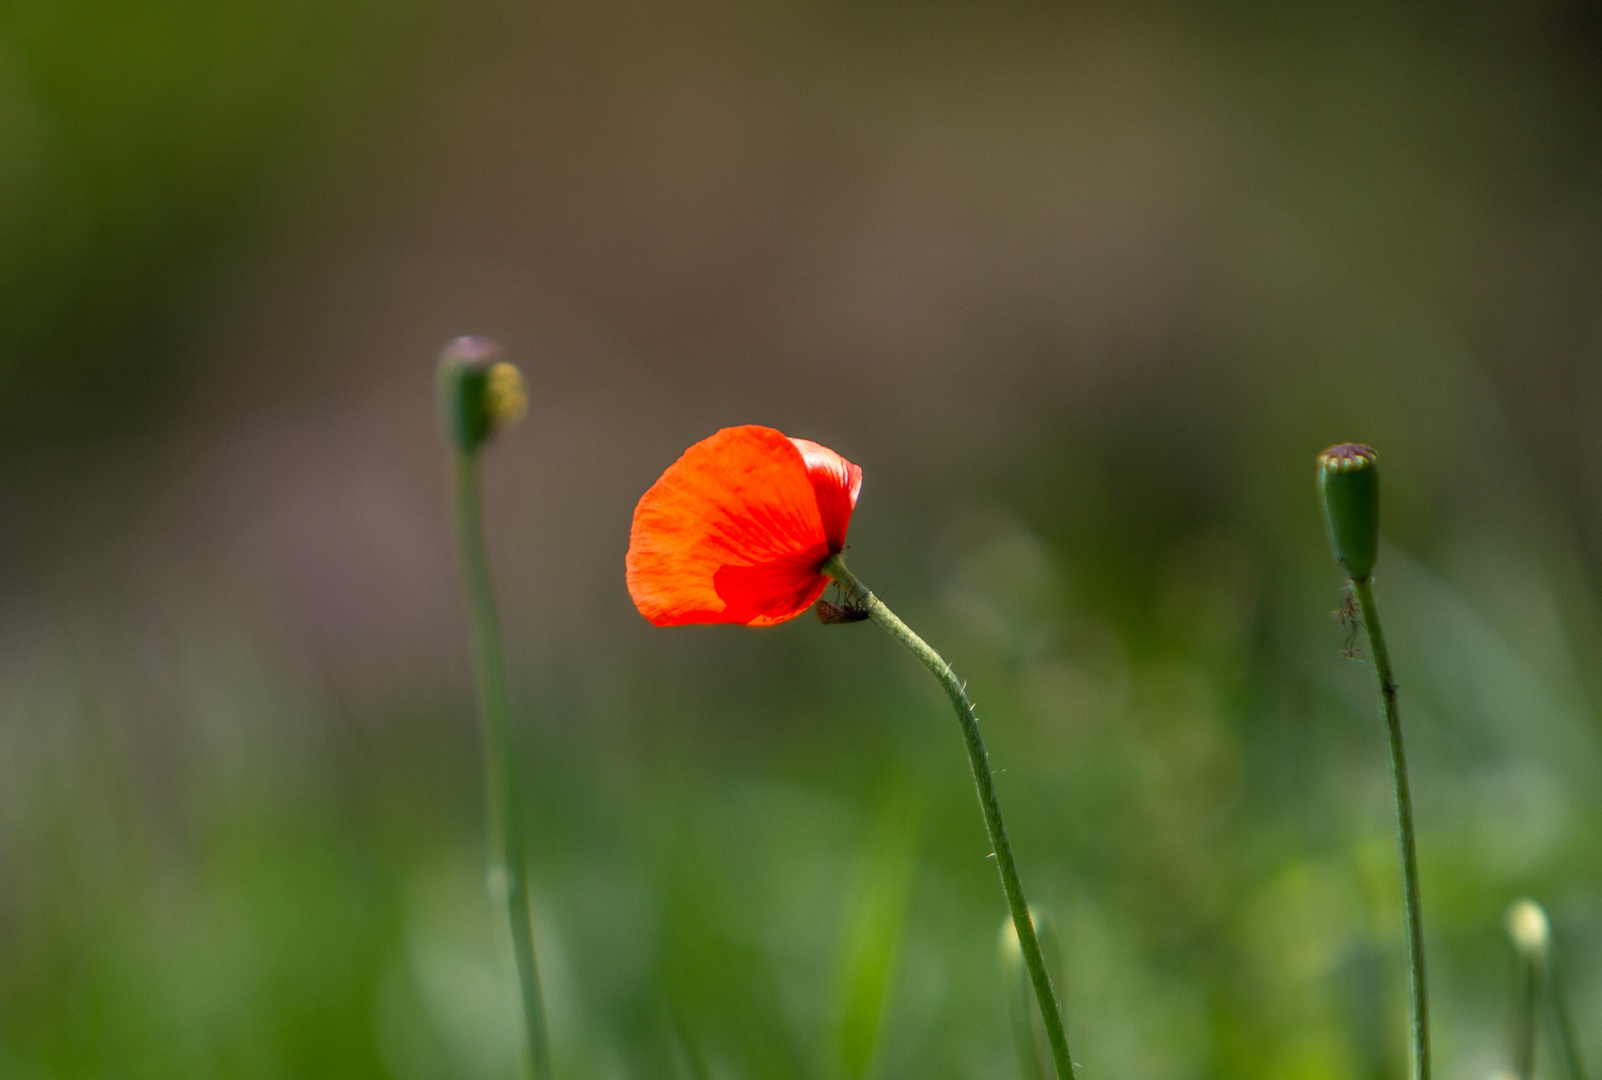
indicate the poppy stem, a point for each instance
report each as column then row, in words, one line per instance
column 510, row 877
column 1412, row 909
column 1050, row 1012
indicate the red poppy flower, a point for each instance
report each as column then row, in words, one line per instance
column 738, row 529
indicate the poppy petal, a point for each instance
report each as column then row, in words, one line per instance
column 837, row 483
column 769, row 594
column 731, row 532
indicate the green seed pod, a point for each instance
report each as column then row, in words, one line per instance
column 481, row 393
column 1348, row 479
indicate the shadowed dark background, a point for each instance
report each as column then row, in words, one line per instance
column 1082, row 289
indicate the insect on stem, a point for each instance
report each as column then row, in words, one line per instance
column 851, row 608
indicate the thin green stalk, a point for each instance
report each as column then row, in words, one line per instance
column 1050, row 1012
column 500, row 779
column 1411, row 908
column 1524, row 1026
column 1020, row 994
column 1563, row 1022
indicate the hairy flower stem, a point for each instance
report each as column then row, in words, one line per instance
column 1050, row 1012
column 500, row 778
column 1419, row 1015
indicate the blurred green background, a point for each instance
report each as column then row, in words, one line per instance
column 1082, row 288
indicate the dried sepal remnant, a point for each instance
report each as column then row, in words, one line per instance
column 1350, row 620
column 1344, row 457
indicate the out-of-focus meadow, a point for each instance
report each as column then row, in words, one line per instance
column 1083, row 289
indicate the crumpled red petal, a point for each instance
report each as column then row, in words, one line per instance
column 837, row 483
column 737, row 530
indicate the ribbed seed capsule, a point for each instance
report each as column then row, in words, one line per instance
column 1348, row 480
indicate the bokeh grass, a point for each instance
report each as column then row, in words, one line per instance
column 1083, row 291
column 285, row 888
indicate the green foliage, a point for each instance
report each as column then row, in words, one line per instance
column 150, row 147
column 875, row 923
column 233, row 874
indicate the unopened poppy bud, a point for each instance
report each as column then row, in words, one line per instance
column 1529, row 928
column 482, row 394
column 1348, row 480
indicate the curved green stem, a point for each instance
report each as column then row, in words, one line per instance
column 500, row 778
column 1050, row 1012
column 1419, row 1017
